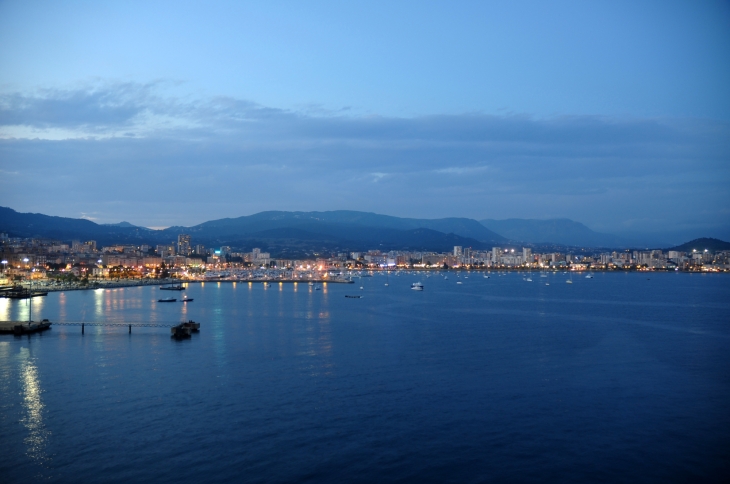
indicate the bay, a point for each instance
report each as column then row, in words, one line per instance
column 624, row 377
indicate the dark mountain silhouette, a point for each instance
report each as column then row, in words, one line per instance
column 713, row 245
column 262, row 221
column 305, row 230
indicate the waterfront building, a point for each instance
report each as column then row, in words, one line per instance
column 183, row 244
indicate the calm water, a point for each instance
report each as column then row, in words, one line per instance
column 612, row 379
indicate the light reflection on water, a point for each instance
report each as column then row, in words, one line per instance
column 38, row 436
column 451, row 378
column 4, row 309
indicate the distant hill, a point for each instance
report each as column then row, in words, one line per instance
column 710, row 244
column 305, row 231
column 345, row 219
column 556, row 231
column 37, row 225
column 364, row 238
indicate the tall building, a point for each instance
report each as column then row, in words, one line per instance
column 458, row 250
column 496, row 253
column 183, row 244
column 527, row 255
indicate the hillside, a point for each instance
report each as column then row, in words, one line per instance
column 702, row 244
column 251, row 224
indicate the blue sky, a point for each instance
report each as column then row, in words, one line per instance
column 616, row 114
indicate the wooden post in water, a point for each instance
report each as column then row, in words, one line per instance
column 130, row 329
column 82, row 328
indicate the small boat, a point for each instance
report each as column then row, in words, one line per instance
column 547, row 283
column 353, row 297
column 459, row 282
column 187, row 299
column 266, row 284
column 361, row 288
column 172, row 287
column 486, row 277
column 529, row 279
column 417, row 286
column 569, row 281
column 589, row 276
column 317, row 288
column 167, row 299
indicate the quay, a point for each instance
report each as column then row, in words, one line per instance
column 276, row 281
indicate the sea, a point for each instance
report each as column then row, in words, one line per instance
column 624, row 377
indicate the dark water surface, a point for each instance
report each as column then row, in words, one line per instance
column 612, row 379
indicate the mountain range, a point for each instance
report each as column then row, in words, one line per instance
column 312, row 231
column 554, row 231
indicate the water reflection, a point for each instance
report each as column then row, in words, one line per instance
column 4, row 309
column 38, row 435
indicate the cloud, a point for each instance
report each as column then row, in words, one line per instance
column 136, row 151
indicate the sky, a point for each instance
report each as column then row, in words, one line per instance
column 615, row 114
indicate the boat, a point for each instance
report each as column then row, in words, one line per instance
column 317, row 288
column 19, row 292
column 187, row 299
column 459, row 282
column 589, row 276
column 353, row 297
column 172, row 287
column 486, row 277
column 266, row 284
column 417, row 286
column 167, row 299
column 529, row 279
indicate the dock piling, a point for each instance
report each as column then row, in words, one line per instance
column 130, row 329
column 82, row 328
